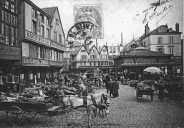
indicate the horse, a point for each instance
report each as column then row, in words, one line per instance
column 89, row 101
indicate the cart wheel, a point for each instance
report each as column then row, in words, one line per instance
column 15, row 115
column 30, row 114
column 152, row 97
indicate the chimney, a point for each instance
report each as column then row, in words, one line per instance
column 177, row 27
column 147, row 29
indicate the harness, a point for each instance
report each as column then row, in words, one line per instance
column 101, row 101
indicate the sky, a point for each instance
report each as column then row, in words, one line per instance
column 122, row 16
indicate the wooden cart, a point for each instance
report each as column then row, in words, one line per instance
column 17, row 112
column 140, row 92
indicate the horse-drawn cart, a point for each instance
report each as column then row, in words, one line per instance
column 17, row 112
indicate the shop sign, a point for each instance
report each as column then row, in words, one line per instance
column 35, row 61
column 37, row 38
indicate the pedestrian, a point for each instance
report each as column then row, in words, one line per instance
column 107, row 80
column 111, row 87
column 59, row 96
column 116, row 88
column 161, row 96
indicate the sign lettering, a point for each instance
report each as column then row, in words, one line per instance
column 37, row 38
column 35, row 61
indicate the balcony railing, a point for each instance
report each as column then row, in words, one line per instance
column 38, row 39
column 9, row 52
column 58, row 46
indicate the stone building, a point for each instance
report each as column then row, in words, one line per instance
column 165, row 40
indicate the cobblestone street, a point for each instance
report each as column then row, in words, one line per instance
column 125, row 112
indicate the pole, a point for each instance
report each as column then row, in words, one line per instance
column 182, row 51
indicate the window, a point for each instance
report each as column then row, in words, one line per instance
column 171, row 39
column 83, row 57
column 7, row 17
column 30, row 76
column 43, row 53
column 114, row 49
column 34, row 27
column 13, row 43
column 2, row 15
column 83, row 50
column 42, row 31
column 161, row 50
column 2, row 28
column 37, row 51
column 7, row 4
column 47, row 33
column 57, row 22
column 159, row 40
column 13, row 20
column 12, row 8
column 34, row 13
column 47, row 22
column 92, row 56
column 42, row 18
column 7, row 30
column 59, row 38
column 13, row 1
column 110, row 50
column 55, row 36
column 171, row 50
column 7, row 40
column 12, row 32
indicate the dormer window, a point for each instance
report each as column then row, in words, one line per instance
column 34, row 13
column 57, row 22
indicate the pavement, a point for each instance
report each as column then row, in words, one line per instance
column 125, row 112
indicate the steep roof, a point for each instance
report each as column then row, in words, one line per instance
column 50, row 11
column 156, row 31
column 104, row 46
column 92, row 48
column 77, row 51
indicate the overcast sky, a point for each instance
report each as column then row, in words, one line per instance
column 124, row 16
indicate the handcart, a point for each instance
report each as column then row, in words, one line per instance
column 141, row 91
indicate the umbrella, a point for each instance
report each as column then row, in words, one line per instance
column 153, row 70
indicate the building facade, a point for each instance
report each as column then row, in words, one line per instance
column 10, row 51
column 57, row 48
column 88, row 59
column 164, row 40
column 42, row 42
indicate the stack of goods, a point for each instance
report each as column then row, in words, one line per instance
column 69, row 90
column 146, row 85
column 133, row 83
column 3, row 97
column 32, row 95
